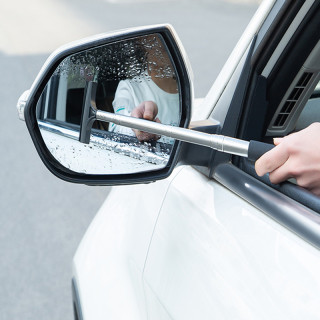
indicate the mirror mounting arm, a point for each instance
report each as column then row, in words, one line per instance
column 89, row 110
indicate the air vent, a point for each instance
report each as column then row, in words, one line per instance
column 292, row 100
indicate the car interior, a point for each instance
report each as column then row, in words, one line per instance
column 284, row 93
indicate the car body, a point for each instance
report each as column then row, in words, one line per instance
column 213, row 240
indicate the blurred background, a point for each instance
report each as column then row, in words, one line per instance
column 43, row 219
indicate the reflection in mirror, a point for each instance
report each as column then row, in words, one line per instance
column 134, row 77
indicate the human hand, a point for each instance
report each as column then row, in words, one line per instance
column 147, row 110
column 295, row 156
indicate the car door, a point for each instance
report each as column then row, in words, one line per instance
column 214, row 239
column 228, row 244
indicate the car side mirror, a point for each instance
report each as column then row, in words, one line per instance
column 114, row 109
column 109, row 75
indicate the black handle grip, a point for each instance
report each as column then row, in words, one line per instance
column 257, row 149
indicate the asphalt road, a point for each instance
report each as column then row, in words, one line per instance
column 42, row 219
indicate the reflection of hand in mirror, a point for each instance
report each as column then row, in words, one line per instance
column 154, row 89
column 147, row 110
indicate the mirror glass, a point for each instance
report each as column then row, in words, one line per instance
column 134, row 77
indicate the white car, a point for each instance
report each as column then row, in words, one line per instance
column 210, row 239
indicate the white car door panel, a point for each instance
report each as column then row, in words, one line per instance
column 109, row 262
column 227, row 259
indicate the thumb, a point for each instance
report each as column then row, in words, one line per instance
column 150, row 110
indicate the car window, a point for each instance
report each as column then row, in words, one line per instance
column 65, row 90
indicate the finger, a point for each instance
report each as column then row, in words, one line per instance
column 281, row 174
column 140, row 135
column 145, row 136
column 138, row 111
column 271, row 160
column 315, row 191
column 308, row 179
column 150, row 110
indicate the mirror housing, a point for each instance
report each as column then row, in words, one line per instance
column 28, row 103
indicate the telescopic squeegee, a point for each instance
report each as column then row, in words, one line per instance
column 252, row 150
